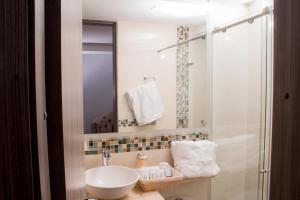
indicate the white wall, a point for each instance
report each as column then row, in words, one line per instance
column 223, row 13
column 258, row 5
column 72, row 106
column 137, row 57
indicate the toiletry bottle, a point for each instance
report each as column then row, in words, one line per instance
column 142, row 158
column 167, row 169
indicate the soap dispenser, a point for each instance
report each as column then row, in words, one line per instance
column 142, row 158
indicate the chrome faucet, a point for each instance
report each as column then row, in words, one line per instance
column 105, row 157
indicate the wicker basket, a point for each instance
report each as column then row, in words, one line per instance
column 165, row 183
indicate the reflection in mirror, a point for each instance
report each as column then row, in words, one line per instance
column 161, row 73
column 99, row 77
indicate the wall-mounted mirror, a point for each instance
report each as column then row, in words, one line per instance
column 144, row 69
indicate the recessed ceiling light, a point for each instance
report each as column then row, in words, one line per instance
column 162, row 56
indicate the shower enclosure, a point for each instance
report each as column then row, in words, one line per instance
column 241, row 107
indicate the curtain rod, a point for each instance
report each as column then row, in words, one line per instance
column 266, row 11
column 202, row 36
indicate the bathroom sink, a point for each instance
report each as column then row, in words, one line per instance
column 110, row 182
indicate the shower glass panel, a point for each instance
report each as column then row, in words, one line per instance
column 241, row 102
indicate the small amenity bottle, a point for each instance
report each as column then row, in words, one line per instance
column 166, row 167
column 142, row 158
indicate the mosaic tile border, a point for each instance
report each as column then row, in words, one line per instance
column 131, row 144
column 182, row 78
column 131, row 123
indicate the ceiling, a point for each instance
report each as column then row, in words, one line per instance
column 187, row 12
column 179, row 12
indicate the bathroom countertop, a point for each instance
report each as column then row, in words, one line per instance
column 138, row 194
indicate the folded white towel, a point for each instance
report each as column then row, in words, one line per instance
column 195, row 159
column 145, row 103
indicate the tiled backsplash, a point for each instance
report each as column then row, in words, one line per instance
column 129, row 144
column 182, row 77
column 130, row 123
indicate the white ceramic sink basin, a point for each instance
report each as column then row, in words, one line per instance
column 110, row 182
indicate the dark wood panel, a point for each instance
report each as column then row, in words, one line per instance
column 53, row 79
column 32, row 98
column 18, row 162
column 285, row 174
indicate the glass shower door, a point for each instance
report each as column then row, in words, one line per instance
column 241, row 106
column 266, row 129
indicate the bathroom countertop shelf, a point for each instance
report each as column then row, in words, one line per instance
column 175, row 183
column 188, row 180
column 138, row 194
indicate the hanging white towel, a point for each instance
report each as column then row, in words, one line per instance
column 145, row 103
column 195, row 159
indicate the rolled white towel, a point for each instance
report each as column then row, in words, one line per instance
column 195, row 159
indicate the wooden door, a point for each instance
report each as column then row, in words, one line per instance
column 19, row 171
column 285, row 170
